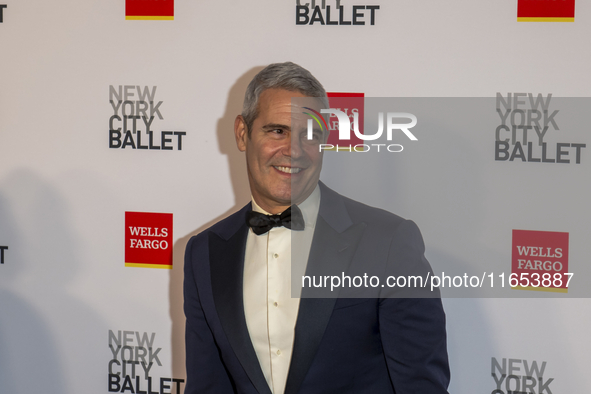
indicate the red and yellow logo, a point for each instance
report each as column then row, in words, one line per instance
column 540, row 261
column 352, row 104
column 545, row 10
column 148, row 240
column 149, row 9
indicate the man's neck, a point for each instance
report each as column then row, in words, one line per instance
column 271, row 208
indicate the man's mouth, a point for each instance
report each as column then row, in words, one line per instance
column 288, row 170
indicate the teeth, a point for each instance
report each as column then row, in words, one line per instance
column 289, row 170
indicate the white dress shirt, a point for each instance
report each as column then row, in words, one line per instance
column 269, row 309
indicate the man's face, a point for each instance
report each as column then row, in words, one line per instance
column 283, row 165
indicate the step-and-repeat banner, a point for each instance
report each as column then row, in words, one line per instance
column 117, row 145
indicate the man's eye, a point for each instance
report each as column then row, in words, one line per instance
column 313, row 139
column 278, row 131
column 316, row 135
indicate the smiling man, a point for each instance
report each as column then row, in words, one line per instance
column 280, row 173
column 245, row 333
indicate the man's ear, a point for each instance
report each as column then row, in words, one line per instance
column 240, row 133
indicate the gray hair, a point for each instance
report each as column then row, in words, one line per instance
column 288, row 76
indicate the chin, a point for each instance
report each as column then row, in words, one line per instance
column 297, row 198
column 282, row 197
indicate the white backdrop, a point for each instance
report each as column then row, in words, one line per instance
column 64, row 192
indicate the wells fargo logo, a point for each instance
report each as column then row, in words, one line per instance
column 352, row 104
column 148, row 240
column 546, row 11
column 540, row 261
column 149, row 9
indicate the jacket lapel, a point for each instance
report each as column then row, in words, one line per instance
column 227, row 265
column 333, row 246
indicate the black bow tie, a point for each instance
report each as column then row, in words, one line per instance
column 290, row 218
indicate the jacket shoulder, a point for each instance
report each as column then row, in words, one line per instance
column 363, row 212
column 386, row 223
column 228, row 226
column 357, row 211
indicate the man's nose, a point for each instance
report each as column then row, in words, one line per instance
column 295, row 146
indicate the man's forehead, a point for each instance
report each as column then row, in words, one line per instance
column 283, row 97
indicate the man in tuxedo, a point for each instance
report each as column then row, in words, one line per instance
column 245, row 333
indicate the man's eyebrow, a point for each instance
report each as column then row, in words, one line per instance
column 272, row 126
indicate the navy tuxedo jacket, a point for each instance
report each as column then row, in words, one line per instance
column 342, row 345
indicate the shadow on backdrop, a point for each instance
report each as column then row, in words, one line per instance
column 240, row 186
column 48, row 337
